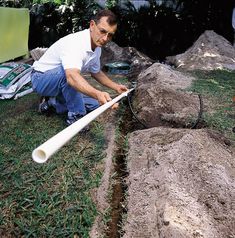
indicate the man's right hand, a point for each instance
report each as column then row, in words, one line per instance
column 103, row 97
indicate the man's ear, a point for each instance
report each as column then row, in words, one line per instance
column 92, row 24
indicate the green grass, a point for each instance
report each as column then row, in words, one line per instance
column 218, row 87
column 54, row 199
column 51, row 199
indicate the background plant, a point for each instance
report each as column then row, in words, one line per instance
column 50, row 21
column 158, row 29
column 171, row 27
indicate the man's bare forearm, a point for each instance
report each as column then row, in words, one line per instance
column 102, row 78
column 75, row 80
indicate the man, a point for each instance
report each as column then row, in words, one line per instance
column 58, row 73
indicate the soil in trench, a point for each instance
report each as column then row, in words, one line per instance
column 119, row 188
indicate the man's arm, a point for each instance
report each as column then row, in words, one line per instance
column 106, row 81
column 75, row 80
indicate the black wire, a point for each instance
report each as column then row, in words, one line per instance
column 134, row 114
column 199, row 113
column 145, row 126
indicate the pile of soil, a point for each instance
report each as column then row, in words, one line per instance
column 211, row 51
column 137, row 60
column 161, row 99
column 181, row 184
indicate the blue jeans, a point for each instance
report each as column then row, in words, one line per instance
column 53, row 83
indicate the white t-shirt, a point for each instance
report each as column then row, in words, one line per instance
column 71, row 51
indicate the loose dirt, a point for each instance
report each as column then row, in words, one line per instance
column 161, row 98
column 211, row 51
column 181, row 184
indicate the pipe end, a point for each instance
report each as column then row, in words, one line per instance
column 39, row 156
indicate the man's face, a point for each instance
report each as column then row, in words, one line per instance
column 101, row 33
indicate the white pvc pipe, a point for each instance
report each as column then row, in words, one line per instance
column 48, row 148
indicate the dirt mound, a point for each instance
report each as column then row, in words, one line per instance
column 181, row 184
column 211, row 51
column 160, row 98
column 164, row 76
column 138, row 61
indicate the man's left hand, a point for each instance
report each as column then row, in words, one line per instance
column 121, row 88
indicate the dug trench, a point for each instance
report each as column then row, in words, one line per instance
column 119, row 187
column 174, row 181
column 165, row 180
column 128, row 123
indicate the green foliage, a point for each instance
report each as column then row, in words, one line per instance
column 147, row 28
column 15, row 3
column 28, row 3
column 164, row 28
column 159, row 29
column 50, row 21
column 82, row 13
column 111, row 3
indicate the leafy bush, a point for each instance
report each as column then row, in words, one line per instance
column 164, row 28
column 158, row 29
column 50, row 21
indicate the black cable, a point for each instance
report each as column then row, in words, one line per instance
column 134, row 114
column 199, row 113
column 145, row 126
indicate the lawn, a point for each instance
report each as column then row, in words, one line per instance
column 51, row 199
column 218, row 89
column 54, row 199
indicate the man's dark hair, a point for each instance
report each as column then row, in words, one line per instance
column 111, row 17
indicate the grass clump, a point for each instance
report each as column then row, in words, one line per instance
column 51, row 199
column 217, row 88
